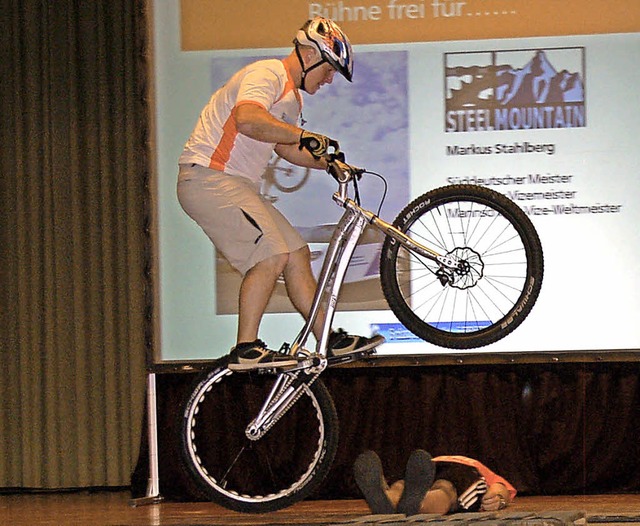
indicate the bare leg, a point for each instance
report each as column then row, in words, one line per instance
column 255, row 292
column 439, row 499
column 301, row 286
column 395, row 492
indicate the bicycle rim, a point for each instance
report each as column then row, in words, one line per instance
column 256, row 476
column 500, row 275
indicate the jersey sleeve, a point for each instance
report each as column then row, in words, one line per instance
column 487, row 473
column 261, row 86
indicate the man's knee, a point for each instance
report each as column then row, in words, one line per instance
column 274, row 265
column 443, row 497
column 299, row 262
column 302, row 255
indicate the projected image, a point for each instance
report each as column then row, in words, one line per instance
column 548, row 121
column 369, row 118
column 515, row 90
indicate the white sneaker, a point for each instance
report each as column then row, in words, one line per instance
column 246, row 356
column 340, row 342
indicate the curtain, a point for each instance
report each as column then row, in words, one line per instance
column 74, row 317
column 557, row 429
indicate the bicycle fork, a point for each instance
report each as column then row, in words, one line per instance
column 447, row 261
column 286, row 390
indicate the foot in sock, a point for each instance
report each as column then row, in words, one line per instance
column 418, row 478
column 369, row 477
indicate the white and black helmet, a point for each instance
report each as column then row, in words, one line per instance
column 330, row 41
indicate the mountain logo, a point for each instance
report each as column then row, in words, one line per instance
column 515, row 90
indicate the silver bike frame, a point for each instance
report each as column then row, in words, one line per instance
column 289, row 385
column 343, row 242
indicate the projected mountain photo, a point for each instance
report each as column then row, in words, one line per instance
column 538, row 82
column 487, row 88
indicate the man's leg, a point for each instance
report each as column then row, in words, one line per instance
column 301, row 286
column 255, row 292
column 441, row 498
column 367, row 470
column 418, row 478
column 257, row 286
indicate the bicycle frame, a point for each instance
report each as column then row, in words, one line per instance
column 341, row 247
column 289, row 384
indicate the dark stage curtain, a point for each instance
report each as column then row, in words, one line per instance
column 74, row 238
column 549, row 429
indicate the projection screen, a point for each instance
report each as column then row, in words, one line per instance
column 559, row 138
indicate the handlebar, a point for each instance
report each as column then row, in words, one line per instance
column 340, row 170
column 344, row 173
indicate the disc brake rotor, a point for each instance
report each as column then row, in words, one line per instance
column 470, row 268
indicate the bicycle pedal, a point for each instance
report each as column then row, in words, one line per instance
column 305, row 364
column 310, row 363
column 350, row 357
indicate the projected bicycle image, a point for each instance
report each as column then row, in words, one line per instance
column 350, row 113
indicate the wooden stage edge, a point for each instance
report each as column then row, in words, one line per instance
column 113, row 508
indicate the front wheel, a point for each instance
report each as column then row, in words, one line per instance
column 497, row 274
column 256, row 475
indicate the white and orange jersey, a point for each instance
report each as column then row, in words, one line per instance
column 215, row 141
column 484, row 471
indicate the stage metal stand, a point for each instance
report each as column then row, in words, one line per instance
column 153, row 484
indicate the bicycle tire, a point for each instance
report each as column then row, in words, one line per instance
column 256, row 476
column 494, row 293
column 291, row 182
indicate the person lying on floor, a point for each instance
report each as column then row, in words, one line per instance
column 440, row 485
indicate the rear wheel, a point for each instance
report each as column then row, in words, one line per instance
column 498, row 275
column 266, row 474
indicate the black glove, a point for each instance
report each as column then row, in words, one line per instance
column 317, row 144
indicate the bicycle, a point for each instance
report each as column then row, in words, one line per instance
column 461, row 267
column 284, row 178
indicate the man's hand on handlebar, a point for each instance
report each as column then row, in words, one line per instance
column 317, row 144
column 341, row 170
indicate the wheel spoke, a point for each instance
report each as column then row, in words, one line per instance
column 262, row 475
column 493, row 253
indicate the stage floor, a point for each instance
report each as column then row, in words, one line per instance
column 113, row 509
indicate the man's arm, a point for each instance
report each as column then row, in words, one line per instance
column 293, row 154
column 257, row 123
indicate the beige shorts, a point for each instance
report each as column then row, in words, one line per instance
column 243, row 226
